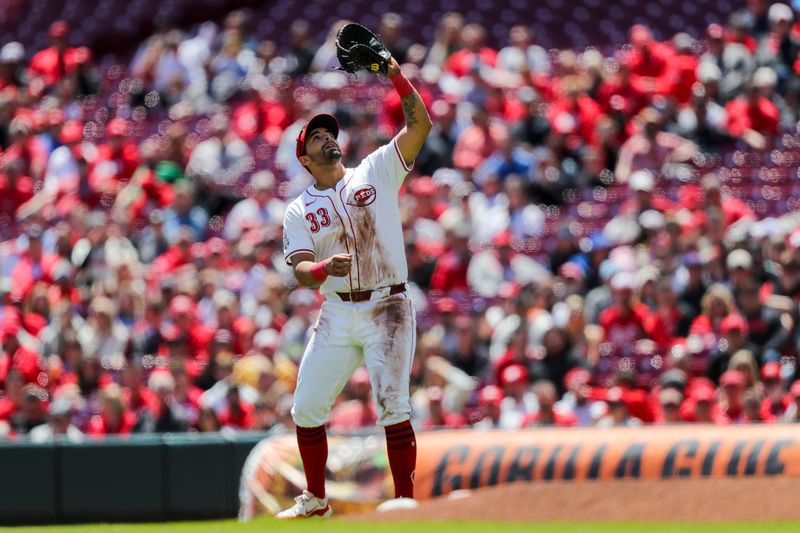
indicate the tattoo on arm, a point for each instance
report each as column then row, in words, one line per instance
column 410, row 103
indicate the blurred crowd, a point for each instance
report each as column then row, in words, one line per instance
column 595, row 237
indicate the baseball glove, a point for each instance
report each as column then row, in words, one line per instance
column 359, row 49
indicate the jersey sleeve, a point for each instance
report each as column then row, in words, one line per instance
column 387, row 165
column 296, row 237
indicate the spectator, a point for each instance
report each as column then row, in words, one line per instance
column 237, row 414
column 301, row 49
column 780, row 47
column 651, row 148
column 559, row 359
column 489, row 415
column 474, row 55
column 450, row 272
column 518, row 402
column 116, row 160
column 792, row 413
column 717, row 304
column 618, row 413
column 731, row 401
column 58, row 424
column 547, row 414
column 438, row 416
column 260, row 210
column 669, row 401
column 523, row 55
column 577, row 398
column 219, row 164
column 776, row 402
column 623, row 323
column 649, row 61
column 11, row 66
column 447, row 39
column 752, row 117
column 734, row 60
column 183, row 215
column 478, row 141
column 469, row 354
column 53, row 64
column 115, row 419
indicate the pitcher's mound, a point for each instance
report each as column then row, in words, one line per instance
column 686, row 500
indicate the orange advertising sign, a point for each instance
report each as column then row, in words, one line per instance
column 455, row 460
column 359, row 478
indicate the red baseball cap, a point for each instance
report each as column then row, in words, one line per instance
column 322, row 120
column 117, row 126
column 514, row 374
column 491, row 394
column 732, row 322
column 577, row 376
column 703, row 394
column 71, row 132
column 771, row 370
column 732, row 377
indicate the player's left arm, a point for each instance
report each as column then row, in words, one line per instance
column 418, row 122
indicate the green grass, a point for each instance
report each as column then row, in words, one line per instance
column 342, row 526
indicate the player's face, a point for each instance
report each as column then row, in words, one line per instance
column 322, row 148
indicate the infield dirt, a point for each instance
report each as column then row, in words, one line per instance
column 688, row 500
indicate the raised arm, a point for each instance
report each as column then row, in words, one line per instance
column 418, row 122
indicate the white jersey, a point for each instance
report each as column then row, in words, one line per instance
column 360, row 216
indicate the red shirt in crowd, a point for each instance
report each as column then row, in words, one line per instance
column 113, row 164
column 762, row 117
column 13, row 195
column 575, row 116
column 100, row 425
column 241, row 418
column 30, row 270
column 450, row 273
column 618, row 94
column 682, row 77
column 51, row 66
column 260, row 117
column 461, row 63
column 624, row 330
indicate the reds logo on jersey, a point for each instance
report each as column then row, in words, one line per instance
column 363, row 196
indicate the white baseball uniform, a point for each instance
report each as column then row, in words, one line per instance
column 360, row 216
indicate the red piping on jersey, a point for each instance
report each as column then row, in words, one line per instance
column 402, row 161
column 347, row 246
column 355, row 240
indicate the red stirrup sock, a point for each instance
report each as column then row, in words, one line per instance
column 313, row 443
column 402, row 449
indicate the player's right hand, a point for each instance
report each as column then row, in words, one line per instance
column 339, row 265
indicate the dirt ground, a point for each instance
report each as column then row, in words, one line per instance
column 691, row 500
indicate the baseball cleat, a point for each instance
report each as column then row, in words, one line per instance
column 307, row 506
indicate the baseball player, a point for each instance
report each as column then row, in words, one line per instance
column 343, row 234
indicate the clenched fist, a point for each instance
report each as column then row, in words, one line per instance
column 339, row 265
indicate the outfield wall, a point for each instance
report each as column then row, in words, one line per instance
column 469, row 459
column 138, row 478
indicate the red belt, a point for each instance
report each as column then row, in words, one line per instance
column 364, row 296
